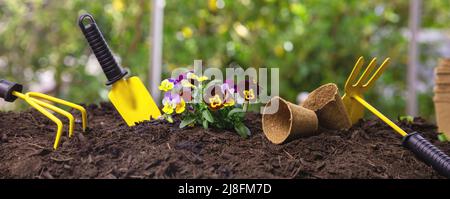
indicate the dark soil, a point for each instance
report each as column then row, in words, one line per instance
column 158, row 149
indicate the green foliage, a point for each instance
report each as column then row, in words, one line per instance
column 223, row 118
column 442, row 137
column 203, row 102
column 311, row 41
column 207, row 116
column 38, row 36
column 236, row 112
column 188, row 120
column 407, row 118
column 242, row 130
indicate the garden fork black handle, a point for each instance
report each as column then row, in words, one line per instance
column 7, row 88
column 428, row 153
column 97, row 42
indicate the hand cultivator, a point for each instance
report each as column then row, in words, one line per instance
column 355, row 104
column 10, row 91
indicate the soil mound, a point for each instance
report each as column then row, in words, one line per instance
column 157, row 149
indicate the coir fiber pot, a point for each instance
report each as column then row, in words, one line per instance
column 442, row 88
column 442, row 107
column 287, row 121
column 444, row 62
column 442, row 70
column 441, row 97
column 328, row 105
column 442, row 79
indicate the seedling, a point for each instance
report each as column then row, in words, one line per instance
column 10, row 91
column 442, row 137
column 407, row 118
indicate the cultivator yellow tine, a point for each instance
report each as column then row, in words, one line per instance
column 377, row 73
column 10, row 91
column 35, row 105
column 58, row 110
column 32, row 98
column 353, row 97
column 366, row 72
column 63, row 102
column 354, row 73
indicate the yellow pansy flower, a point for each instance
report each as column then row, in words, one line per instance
column 180, row 107
column 229, row 102
column 168, row 108
column 202, row 78
column 187, row 84
column 194, row 76
column 166, row 85
column 249, row 94
column 215, row 102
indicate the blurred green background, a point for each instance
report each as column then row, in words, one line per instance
column 311, row 41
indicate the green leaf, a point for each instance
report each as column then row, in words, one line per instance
column 236, row 111
column 186, row 121
column 242, row 130
column 407, row 118
column 205, row 124
column 207, row 116
column 169, row 119
column 442, row 137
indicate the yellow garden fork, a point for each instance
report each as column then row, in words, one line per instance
column 355, row 106
column 10, row 91
column 353, row 97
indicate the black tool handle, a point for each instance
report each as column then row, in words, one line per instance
column 7, row 88
column 92, row 33
column 428, row 153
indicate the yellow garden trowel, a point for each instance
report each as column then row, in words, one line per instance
column 130, row 97
column 355, row 105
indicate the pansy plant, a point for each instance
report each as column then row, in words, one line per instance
column 200, row 101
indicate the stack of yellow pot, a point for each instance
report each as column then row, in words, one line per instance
column 442, row 96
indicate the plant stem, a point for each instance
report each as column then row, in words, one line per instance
column 245, row 106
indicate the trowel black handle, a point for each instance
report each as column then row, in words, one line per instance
column 7, row 88
column 428, row 153
column 97, row 42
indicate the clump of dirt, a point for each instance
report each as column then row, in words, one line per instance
column 158, row 149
